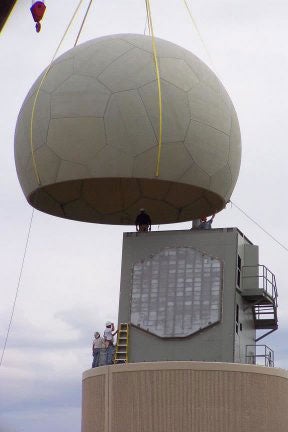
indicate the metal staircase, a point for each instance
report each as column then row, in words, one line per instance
column 122, row 345
column 260, row 290
column 265, row 316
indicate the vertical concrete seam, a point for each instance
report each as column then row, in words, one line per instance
column 106, row 425
column 110, row 395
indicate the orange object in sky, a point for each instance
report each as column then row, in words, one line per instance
column 38, row 9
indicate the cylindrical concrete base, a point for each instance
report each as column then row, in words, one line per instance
column 185, row 397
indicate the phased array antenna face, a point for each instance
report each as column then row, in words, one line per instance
column 176, row 292
column 86, row 140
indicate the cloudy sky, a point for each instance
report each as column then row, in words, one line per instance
column 70, row 280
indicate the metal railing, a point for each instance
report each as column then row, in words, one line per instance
column 266, row 280
column 259, row 354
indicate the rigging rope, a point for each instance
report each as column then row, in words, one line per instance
column 148, row 19
column 83, row 22
column 41, row 84
column 146, row 22
column 197, row 31
column 17, row 289
column 211, row 61
column 259, row 226
column 154, row 47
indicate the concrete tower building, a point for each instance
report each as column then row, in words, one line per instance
column 191, row 302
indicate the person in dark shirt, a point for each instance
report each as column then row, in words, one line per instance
column 143, row 221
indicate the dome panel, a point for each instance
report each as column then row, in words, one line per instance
column 203, row 72
column 41, row 121
column 91, row 59
column 208, row 147
column 164, row 49
column 201, row 206
column 181, row 195
column 43, row 199
column 71, row 171
column 58, row 73
column 79, row 209
column 208, row 108
column 181, row 161
column 79, row 96
column 145, row 163
column 127, row 123
column 22, row 154
column 125, row 192
column 222, row 180
column 148, row 189
column 195, row 175
column 76, row 139
column 111, row 162
column 47, row 162
column 133, row 69
column 235, row 147
column 65, row 192
column 176, row 71
column 175, row 106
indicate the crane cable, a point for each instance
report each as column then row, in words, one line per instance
column 197, row 31
column 18, row 286
column 155, row 56
column 259, row 226
column 44, row 77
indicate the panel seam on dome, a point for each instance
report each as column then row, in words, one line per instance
column 113, row 61
column 150, row 120
column 212, row 127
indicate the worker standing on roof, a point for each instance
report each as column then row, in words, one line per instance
column 143, row 221
column 109, row 342
column 96, row 347
column 206, row 224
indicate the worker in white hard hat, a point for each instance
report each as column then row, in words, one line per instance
column 143, row 221
column 205, row 223
column 109, row 342
column 98, row 343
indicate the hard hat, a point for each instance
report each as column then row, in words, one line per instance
column 142, row 210
column 108, row 323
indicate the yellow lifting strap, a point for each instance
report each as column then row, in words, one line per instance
column 151, row 32
column 42, row 81
column 122, row 345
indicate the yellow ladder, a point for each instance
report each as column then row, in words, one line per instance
column 121, row 353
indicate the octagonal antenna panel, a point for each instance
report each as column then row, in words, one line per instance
column 90, row 151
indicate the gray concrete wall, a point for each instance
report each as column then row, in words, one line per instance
column 246, row 330
column 215, row 343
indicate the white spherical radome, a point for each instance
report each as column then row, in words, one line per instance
column 95, row 135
